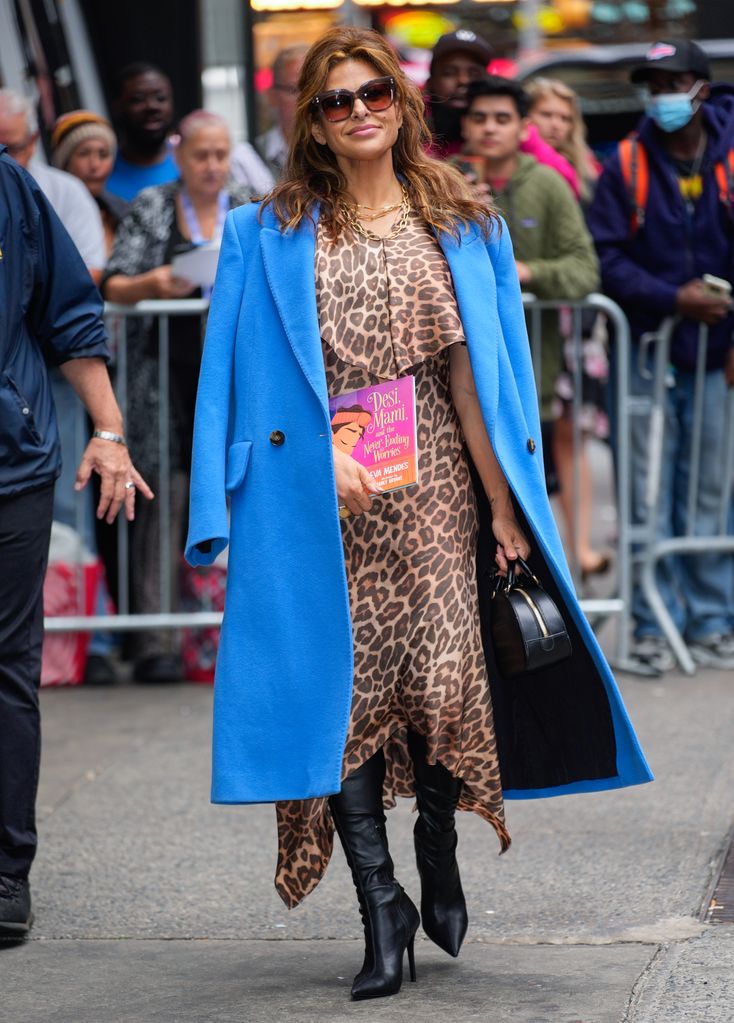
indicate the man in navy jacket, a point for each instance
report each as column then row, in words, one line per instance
column 653, row 266
column 50, row 312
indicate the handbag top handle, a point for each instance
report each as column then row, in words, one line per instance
column 512, row 576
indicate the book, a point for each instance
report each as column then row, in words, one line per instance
column 377, row 426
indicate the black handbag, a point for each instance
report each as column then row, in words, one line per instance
column 528, row 630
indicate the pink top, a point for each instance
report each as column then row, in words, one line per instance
column 543, row 152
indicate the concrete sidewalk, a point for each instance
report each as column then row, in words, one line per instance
column 152, row 905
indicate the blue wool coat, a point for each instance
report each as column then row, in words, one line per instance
column 262, row 438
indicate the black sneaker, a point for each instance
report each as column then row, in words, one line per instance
column 16, row 915
column 100, row 671
column 159, row 668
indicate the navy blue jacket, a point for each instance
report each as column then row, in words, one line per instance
column 50, row 312
column 642, row 273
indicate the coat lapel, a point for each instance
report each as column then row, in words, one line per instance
column 476, row 296
column 289, row 266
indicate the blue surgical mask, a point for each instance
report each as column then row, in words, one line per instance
column 672, row 111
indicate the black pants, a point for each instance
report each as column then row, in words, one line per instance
column 25, row 529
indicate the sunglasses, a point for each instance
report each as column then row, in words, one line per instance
column 337, row 104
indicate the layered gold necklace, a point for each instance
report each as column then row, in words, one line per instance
column 377, row 211
column 354, row 217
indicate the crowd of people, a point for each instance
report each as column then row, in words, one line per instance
column 136, row 193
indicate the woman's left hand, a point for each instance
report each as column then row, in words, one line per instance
column 511, row 541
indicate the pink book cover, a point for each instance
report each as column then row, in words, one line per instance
column 377, row 427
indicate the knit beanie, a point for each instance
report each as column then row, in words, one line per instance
column 76, row 127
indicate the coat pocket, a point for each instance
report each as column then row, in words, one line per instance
column 24, row 409
column 238, row 458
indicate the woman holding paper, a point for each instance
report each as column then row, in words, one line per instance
column 351, row 667
column 162, row 222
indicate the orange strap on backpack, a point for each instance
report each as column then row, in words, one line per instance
column 636, row 175
column 724, row 171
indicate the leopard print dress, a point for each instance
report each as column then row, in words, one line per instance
column 387, row 308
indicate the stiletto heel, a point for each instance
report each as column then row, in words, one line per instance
column 443, row 907
column 390, row 918
column 411, row 958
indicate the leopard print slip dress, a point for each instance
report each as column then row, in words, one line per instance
column 387, row 308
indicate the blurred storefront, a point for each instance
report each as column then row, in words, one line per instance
column 518, row 29
column 220, row 52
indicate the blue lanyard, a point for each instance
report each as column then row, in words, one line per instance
column 192, row 221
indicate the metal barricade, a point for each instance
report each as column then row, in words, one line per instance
column 120, row 316
column 652, row 547
column 124, row 620
column 636, row 544
column 617, row 603
column 640, row 546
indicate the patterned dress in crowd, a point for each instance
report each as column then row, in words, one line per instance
column 386, row 309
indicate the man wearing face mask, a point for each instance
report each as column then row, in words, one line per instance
column 661, row 220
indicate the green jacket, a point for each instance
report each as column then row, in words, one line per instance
column 549, row 235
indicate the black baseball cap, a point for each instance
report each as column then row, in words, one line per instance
column 677, row 57
column 462, row 41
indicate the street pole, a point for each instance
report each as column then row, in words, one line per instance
column 530, row 35
column 249, row 74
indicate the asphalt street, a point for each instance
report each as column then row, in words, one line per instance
column 152, row 905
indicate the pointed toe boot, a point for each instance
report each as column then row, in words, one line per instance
column 389, row 917
column 443, row 907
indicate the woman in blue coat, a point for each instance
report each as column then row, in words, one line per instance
column 353, row 664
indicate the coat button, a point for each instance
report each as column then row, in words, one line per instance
column 277, row 437
column 25, row 410
column 531, row 445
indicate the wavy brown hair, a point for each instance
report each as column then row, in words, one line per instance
column 312, row 175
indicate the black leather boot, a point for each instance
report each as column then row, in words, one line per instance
column 390, row 919
column 443, row 908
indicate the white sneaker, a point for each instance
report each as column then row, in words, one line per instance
column 654, row 650
column 714, row 651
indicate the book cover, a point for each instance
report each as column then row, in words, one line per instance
column 377, row 426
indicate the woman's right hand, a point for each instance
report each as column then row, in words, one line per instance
column 164, row 284
column 354, row 485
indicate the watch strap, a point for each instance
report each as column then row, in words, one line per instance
column 116, row 438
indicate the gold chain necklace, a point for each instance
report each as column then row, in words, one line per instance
column 378, row 213
column 364, row 206
column 353, row 219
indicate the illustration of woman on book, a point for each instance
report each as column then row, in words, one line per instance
column 356, row 660
column 348, row 426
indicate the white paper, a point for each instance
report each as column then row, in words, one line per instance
column 199, row 265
